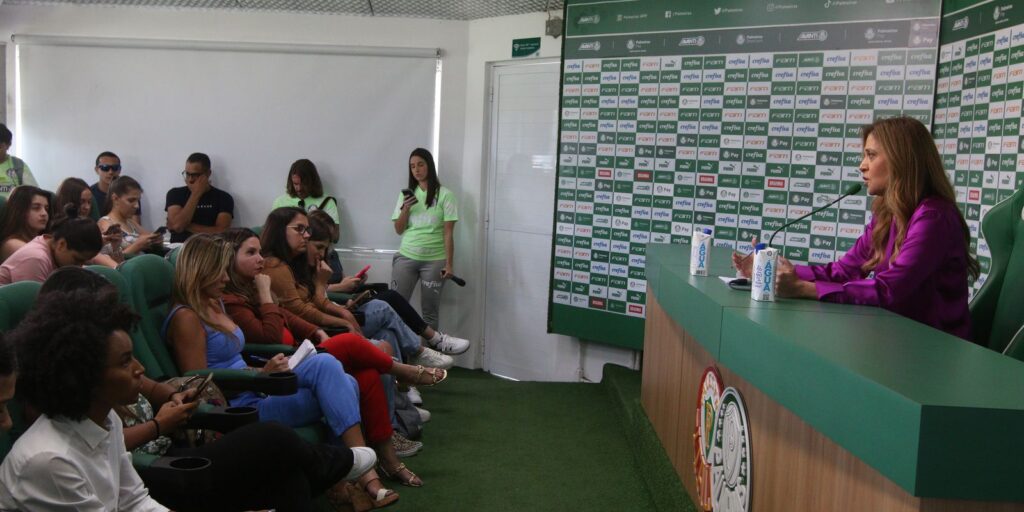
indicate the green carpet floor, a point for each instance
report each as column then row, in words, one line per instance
column 498, row 445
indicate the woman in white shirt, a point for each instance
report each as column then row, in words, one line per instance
column 73, row 457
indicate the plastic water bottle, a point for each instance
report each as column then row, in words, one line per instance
column 700, row 252
column 766, row 260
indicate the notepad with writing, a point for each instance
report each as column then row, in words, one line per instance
column 305, row 350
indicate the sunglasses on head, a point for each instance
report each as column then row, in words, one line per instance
column 109, row 167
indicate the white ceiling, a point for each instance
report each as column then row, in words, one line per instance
column 436, row 9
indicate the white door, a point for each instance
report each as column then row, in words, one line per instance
column 521, row 194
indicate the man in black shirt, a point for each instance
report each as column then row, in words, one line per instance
column 198, row 207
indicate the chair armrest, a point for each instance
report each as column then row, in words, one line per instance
column 339, row 297
column 236, row 381
column 190, row 476
column 222, row 419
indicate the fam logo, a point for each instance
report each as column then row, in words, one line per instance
column 813, row 35
column 593, row 46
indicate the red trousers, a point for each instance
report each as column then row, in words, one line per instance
column 364, row 361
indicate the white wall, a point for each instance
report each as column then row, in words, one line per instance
column 491, row 41
column 468, row 48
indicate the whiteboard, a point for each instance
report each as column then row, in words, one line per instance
column 356, row 117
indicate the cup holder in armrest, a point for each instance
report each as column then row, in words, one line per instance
column 222, row 419
column 278, row 383
column 188, row 463
column 186, row 478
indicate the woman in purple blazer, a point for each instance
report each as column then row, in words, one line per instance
column 913, row 257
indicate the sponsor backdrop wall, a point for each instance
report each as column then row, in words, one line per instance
column 978, row 107
column 735, row 116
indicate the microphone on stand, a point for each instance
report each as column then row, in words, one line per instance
column 851, row 190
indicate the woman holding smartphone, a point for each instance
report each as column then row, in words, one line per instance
column 122, row 203
column 425, row 217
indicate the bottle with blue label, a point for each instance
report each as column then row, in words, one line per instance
column 766, row 260
column 700, row 252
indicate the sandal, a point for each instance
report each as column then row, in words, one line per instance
column 434, row 379
column 383, row 497
column 396, row 475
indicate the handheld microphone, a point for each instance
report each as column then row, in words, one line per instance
column 851, row 190
column 457, row 280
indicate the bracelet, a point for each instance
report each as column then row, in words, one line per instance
column 157, row 424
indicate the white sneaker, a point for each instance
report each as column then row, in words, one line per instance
column 424, row 414
column 414, row 396
column 432, row 358
column 448, row 344
column 363, row 460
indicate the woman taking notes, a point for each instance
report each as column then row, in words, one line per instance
column 426, row 220
column 913, row 257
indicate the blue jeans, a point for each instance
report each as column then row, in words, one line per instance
column 382, row 323
column 325, row 391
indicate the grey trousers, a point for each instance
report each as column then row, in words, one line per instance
column 406, row 272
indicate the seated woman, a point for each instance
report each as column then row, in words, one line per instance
column 75, row 191
column 74, row 241
column 324, row 234
column 119, row 210
column 257, row 466
column 250, row 304
column 202, row 335
column 76, row 366
column 305, row 190
column 25, row 216
column 284, row 241
column 916, row 245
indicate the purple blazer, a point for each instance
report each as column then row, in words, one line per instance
column 926, row 282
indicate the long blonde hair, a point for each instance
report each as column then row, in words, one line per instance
column 915, row 173
column 202, row 260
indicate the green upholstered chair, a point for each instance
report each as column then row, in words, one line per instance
column 997, row 311
column 172, row 256
column 16, row 300
column 150, row 279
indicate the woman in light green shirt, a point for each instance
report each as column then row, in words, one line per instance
column 426, row 220
column 305, row 190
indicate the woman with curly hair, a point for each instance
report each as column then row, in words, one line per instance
column 256, row 466
column 76, row 366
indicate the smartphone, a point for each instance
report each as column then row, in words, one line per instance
column 363, row 272
column 113, row 229
column 161, row 230
column 202, row 386
column 407, row 192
